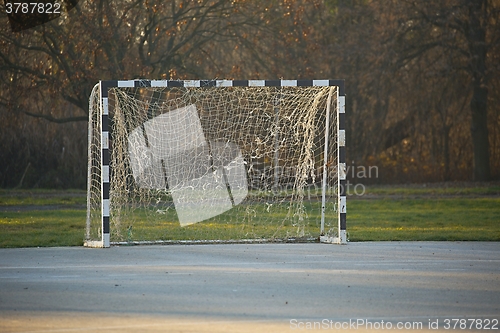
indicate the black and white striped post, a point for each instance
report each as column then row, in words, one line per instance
column 106, row 143
column 105, row 166
column 341, row 166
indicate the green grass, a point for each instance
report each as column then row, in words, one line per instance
column 62, row 227
column 438, row 219
column 433, row 190
column 242, row 222
column 57, row 218
column 41, row 197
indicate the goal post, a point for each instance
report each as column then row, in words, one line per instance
column 216, row 161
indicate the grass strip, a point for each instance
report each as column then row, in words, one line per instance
column 437, row 219
column 376, row 219
column 42, row 228
column 42, row 197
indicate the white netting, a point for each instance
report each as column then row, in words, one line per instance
column 215, row 163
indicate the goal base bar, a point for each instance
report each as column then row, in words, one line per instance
column 93, row 244
column 334, row 240
column 217, row 241
column 105, row 242
column 322, row 239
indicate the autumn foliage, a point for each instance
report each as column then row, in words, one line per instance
column 422, row 78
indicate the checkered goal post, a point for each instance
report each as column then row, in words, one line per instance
column 216, row 161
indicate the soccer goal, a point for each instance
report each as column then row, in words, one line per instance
column 216, row 161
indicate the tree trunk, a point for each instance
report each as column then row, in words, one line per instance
column 446, row 152
column 479, row 133
column 478, row 104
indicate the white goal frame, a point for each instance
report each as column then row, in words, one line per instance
column 105, row 86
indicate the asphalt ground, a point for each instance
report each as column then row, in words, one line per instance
column 369, row 286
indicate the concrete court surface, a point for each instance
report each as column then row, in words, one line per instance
column 370, row 286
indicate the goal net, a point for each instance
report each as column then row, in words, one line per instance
column 216, row 161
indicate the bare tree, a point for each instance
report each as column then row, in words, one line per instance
column 108, row 39
column 455, row 37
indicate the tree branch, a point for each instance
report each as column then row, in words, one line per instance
column 56, row 120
